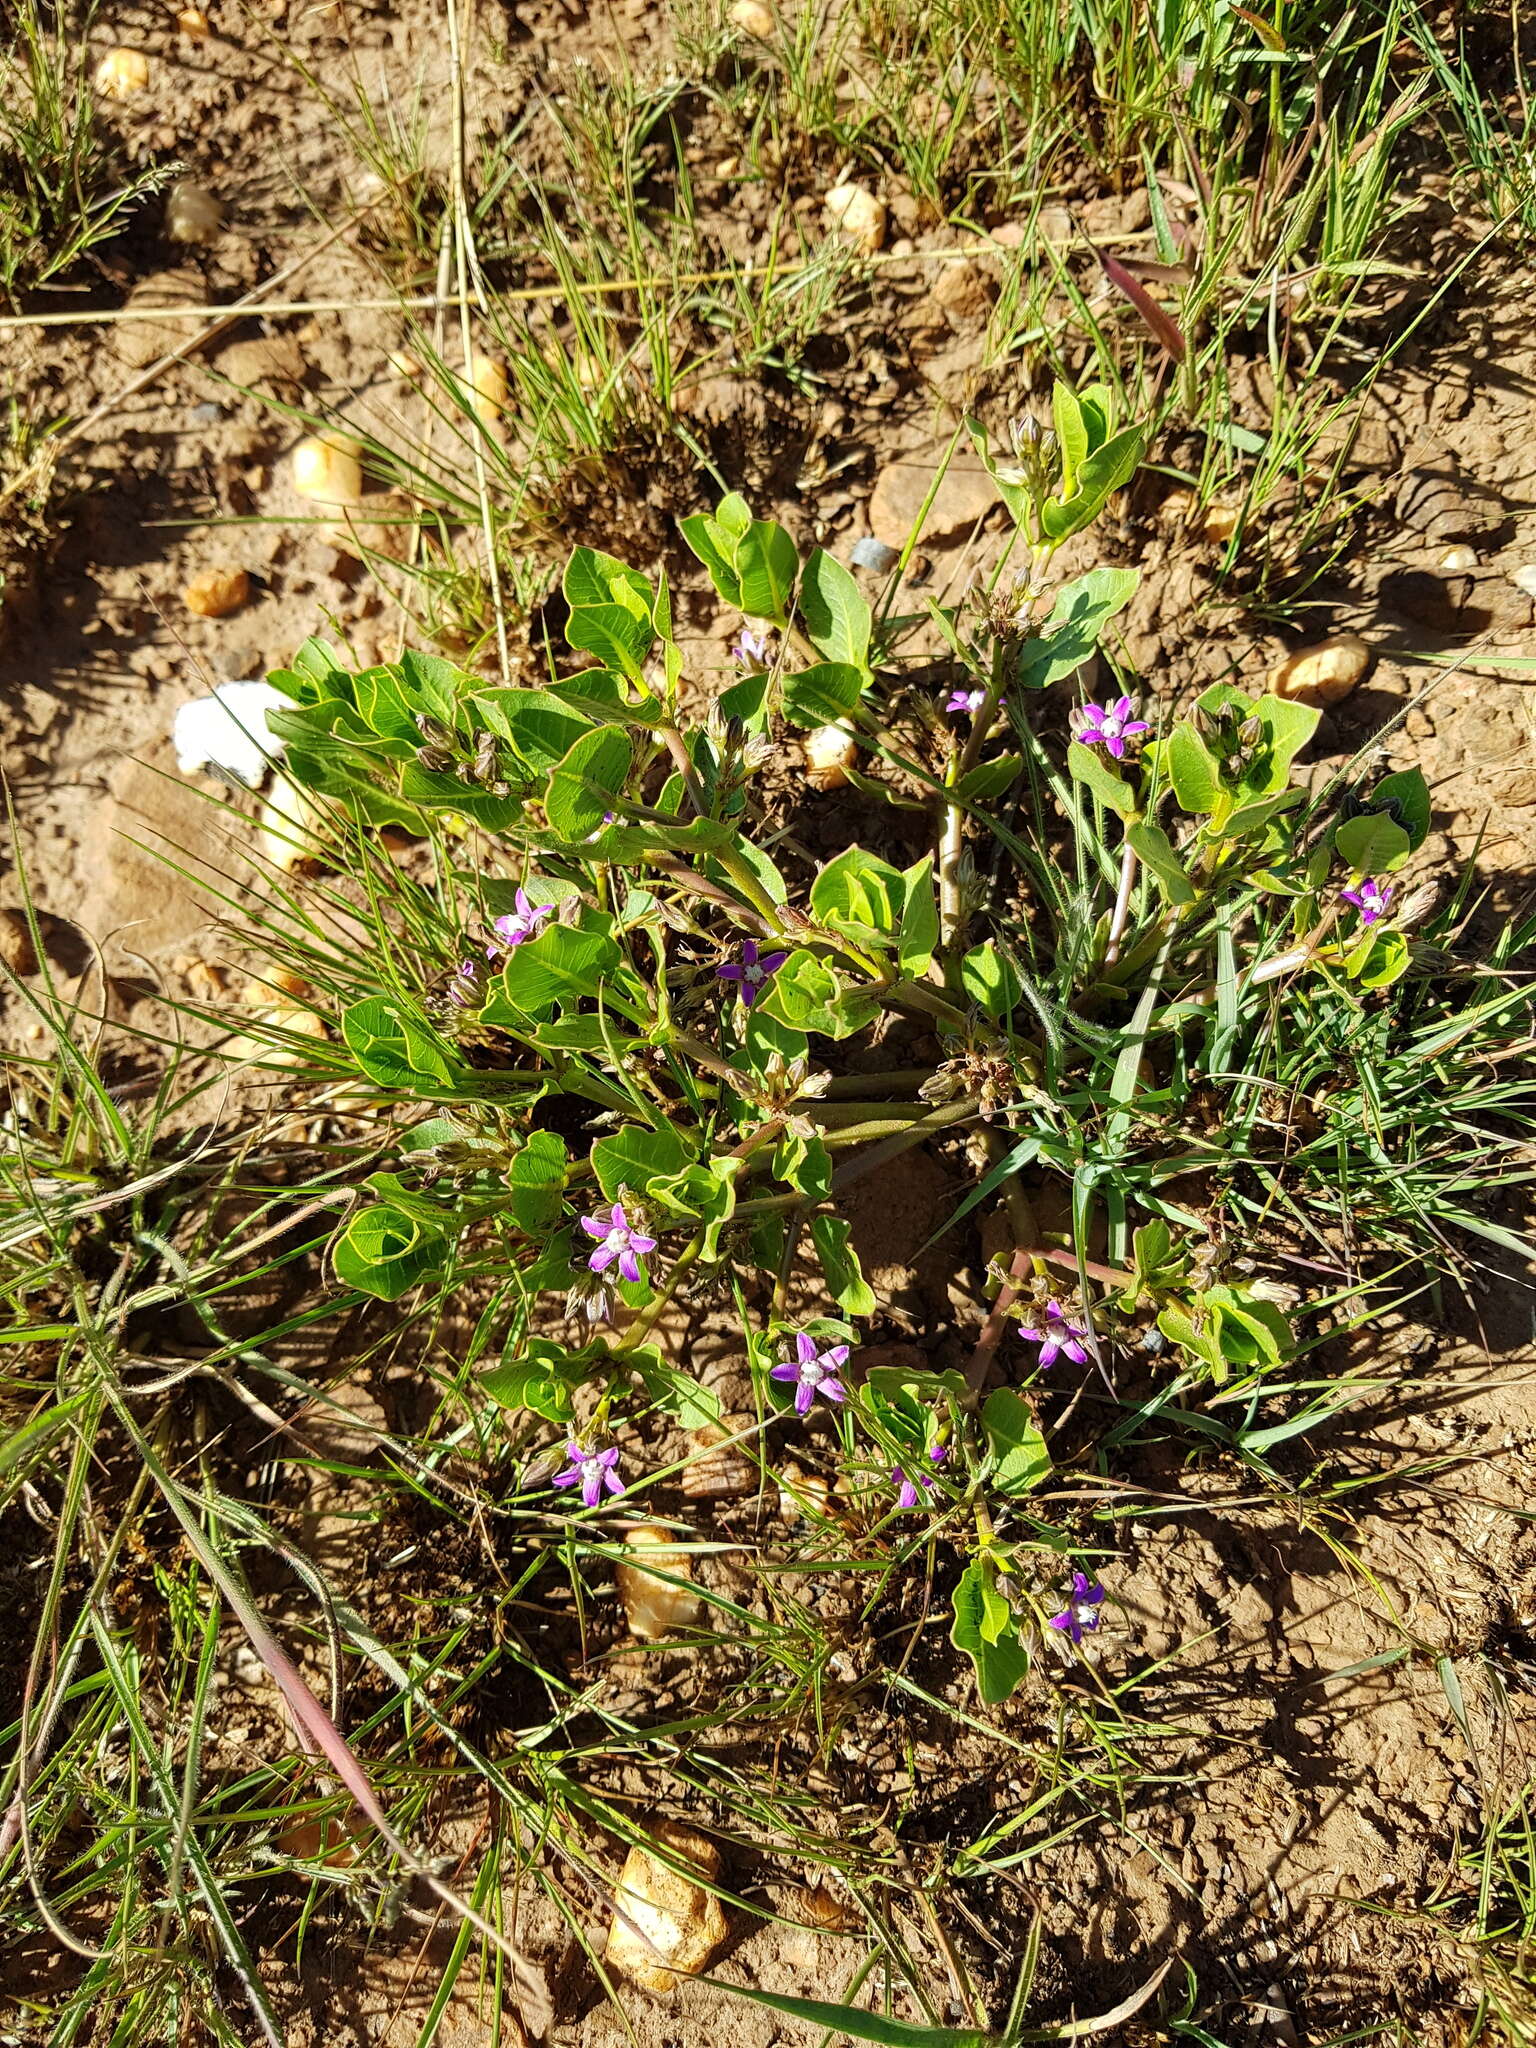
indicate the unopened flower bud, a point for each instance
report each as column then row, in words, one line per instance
column 1418, row 905
column 1251, row 731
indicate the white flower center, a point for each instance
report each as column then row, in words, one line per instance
column 618, row 1237
column 752, row 974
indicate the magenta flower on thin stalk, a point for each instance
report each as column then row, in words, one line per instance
column 1081, row 1614
column 1372, row 899
column 593, row 1471
column 966, row 700
column 1057, row 1338
column 913, row 1492
column 619, row 1242
column 813, row 1372
column 1110, row 726
column 752, row 970
column 523, row 923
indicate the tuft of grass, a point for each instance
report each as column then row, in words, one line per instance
column 64, row 187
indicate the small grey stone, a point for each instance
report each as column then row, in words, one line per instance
column 205, row 414
column 870, row 553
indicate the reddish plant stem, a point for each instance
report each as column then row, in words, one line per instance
column 992, row 1329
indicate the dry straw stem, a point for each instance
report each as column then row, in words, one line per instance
column 447, row 302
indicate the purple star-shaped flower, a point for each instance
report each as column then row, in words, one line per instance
column 523, row 923
column 912, row 1491
column 1111, row 725
column 751, row 970
column 592, row 1471
column 813, row 1372
column 751, row 652
column 1372, row 899
column 1057, row 1337
column 966, row 700
column 1081, row 1612
column 618, row 1242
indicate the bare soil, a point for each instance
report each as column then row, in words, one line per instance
column 1313, row 1786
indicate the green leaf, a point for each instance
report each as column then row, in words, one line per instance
column 988, row 779
column 1071, row 435
column 1151, row 1254
column 611, row 611
column 989, row 980
column 804, row 1164
column 715, row 548
column 1382, row 960
column 563, row 965
column 1405, row 796
column 393, row 1046
column 382, row 704
column 1023, row 1462
column 1192, row 770
column 767, row 563
column 919, row 934
column 1287, row 728
column 1371, row 843
column 1078, row 617
column 840, row 1263
column 705, row 1191
column 823, row 695
column 589, row 777
column 1001, row 1665
column 538, row 727
column 383, row 1251
column 1201, row 1339
column 806, row 994
column 694, row 1406
column 855, row 2022
column 1103, row 472
column 447, row 793
column 748, row 700
column 1155, row 848
column 859, row 893
column 636, row 1155
column 536, row 1176
column 766, row 1036
column 603, row 694
column 1090, row 767
column 837, row 620
column 531, row 1383
column 1262, row 1322
column 1253, row 817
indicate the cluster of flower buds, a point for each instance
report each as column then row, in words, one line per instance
column 738, row 753
column 992, row 1078
column 1236, row 742
column 441, row 754
column 1036, row 457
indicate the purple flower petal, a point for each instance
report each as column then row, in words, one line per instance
column 593, row 1228
column 805, row 1349
column 603, row 1257
column 627, row 1265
